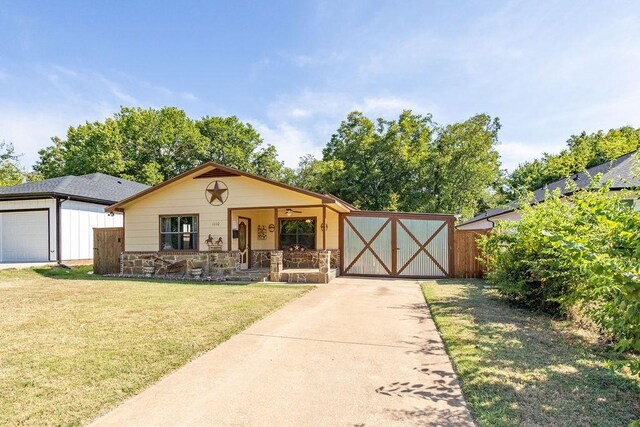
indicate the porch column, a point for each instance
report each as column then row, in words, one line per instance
column 276, row 231
column 275, row 270
column 324, row 227
column 324, row 262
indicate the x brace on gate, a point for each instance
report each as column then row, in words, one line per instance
column 422, row 247
column 367, row 245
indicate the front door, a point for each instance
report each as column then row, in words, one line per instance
column 244, row 242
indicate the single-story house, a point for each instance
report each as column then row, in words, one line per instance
column 53, row 220
column 622, row 173
column 215, row 220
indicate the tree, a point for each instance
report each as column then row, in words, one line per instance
column 318, row 175
column 158, row 144
column 150, row 146
column 409, row 164
column 463, row 167
column 355, row 154
column 583, row 151
column 11, row 173
column 236, row 144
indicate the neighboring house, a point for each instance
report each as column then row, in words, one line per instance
column 219, row 219
column 53, row 220
column 622, row 173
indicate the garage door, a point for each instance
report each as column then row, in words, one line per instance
column 396, row 244
column 25, row 236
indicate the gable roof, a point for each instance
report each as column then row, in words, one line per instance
column 228, row 171
column 619, row 172
column 95, row 187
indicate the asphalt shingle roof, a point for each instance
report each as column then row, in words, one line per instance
column 94, row 186
column 619, row 172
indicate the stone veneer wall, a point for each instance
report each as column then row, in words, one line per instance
column 278, row 273
column 212, row 263
column 293, row 259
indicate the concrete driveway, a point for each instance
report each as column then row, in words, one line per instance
column 356, row 352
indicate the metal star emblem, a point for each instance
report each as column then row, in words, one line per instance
column 216, row 193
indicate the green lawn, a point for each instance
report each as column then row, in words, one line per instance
column 74, row 345
column 522, row 368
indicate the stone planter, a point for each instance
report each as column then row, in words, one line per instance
column 196, row 273
column 148, row 271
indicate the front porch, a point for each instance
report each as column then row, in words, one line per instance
column 299, row 231
column 313, row 266
column 294, row 244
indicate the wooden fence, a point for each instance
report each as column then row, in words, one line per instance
column 108, row 243
column 466, row 254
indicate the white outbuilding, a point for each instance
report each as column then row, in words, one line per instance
column 53, row 220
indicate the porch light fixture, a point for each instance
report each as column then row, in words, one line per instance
column 290, row 211
column 272, row 228
column 324, row 227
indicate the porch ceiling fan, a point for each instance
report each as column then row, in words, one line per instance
column 290, row 211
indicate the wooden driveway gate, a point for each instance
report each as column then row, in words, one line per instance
column 396, row 245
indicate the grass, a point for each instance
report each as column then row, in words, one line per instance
column 74, row 345
column 518, row 367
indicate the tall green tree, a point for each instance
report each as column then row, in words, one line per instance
column 11, row 172
column 152, row 145
column 356, row 150
column 236, row 144
column 463, row 167
column 408, row 164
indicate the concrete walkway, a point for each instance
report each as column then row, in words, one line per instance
column 357, row 352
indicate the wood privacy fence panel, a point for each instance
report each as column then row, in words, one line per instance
column 467, row 254
column 108, row 244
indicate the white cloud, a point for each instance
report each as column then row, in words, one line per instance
column 303, row 124
column 306, row 60
column 513, row 153
column 69, row 97
column 189, row 96
column 290, row 141
column 391, row 106
column 30, row 130
column 118, row 92
column 308, row 105
column 161, row 90
column 313, row 105
column 299, row 113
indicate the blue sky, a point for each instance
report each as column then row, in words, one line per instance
column 295, row 69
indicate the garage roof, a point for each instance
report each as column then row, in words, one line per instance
column 94, row 187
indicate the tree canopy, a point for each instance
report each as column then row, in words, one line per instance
column 409, row 164
column 583, row 151
column 150, row 146
column 11, row 172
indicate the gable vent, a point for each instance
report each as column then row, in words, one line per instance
column 216, row 173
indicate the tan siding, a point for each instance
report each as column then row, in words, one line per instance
column 188, row 196
column 332, row 231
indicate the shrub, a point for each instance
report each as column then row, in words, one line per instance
column 579, row 253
